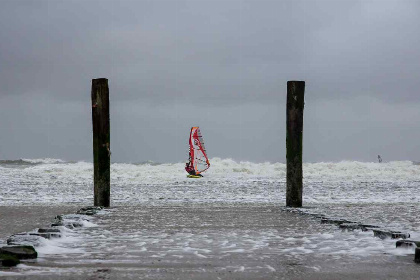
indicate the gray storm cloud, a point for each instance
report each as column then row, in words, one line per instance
column 222, row 65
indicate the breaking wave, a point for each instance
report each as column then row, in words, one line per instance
column 149, row 171
column 59, row 182
column 18, row 162
column 43, row 160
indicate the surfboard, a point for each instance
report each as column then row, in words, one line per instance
column 194, row 176
column 197, row 155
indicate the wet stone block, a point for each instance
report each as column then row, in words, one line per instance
column 75, row 217
column 334, row 221
column 77, row 224
column 46, row 235
column 69, row 226
column 318, row 216
column 292, row 210
column 48, row 230
column 90, row 210
column 59, row 218
column 350, row 226
column 25, row 239
column 382, row 234
column 407, row 243
column 397, row 235
column 366, row 227
column 55, row 235
column 8, row 260
column 96, row 208
column 20, row 252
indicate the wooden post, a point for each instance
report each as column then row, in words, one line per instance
column 417, row 255
column 294, row 131
column 101, row 143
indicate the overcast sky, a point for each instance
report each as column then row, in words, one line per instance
column 221, row 65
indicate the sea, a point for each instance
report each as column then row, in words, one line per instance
column 382, row 194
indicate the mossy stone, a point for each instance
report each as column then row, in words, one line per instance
column 20, row 252
column 8, row 260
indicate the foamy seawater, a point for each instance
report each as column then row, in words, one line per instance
column 159, row 200
column 365, row 188
column 51, row 181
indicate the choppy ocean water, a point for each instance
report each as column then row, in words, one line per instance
column 384, row 194
column 51, row 181
column 371, row 192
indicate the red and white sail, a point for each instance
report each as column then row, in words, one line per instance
column 197, row 152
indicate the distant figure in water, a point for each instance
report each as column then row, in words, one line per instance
column 379, row 159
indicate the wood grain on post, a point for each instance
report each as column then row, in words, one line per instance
column 294, row 132
column 101, row 142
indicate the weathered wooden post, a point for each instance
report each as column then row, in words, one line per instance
column 417, row 255
column 101, row 143
column 294, row 131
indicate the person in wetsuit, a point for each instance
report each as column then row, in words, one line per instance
column 190, row 169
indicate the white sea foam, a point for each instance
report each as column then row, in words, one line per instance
column 44, row 160
column 228, row 168
column 270, row 268
column 88, row 224
column 59, row 246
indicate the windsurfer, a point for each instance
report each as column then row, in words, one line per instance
column 197, row 157
column 190, row 169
